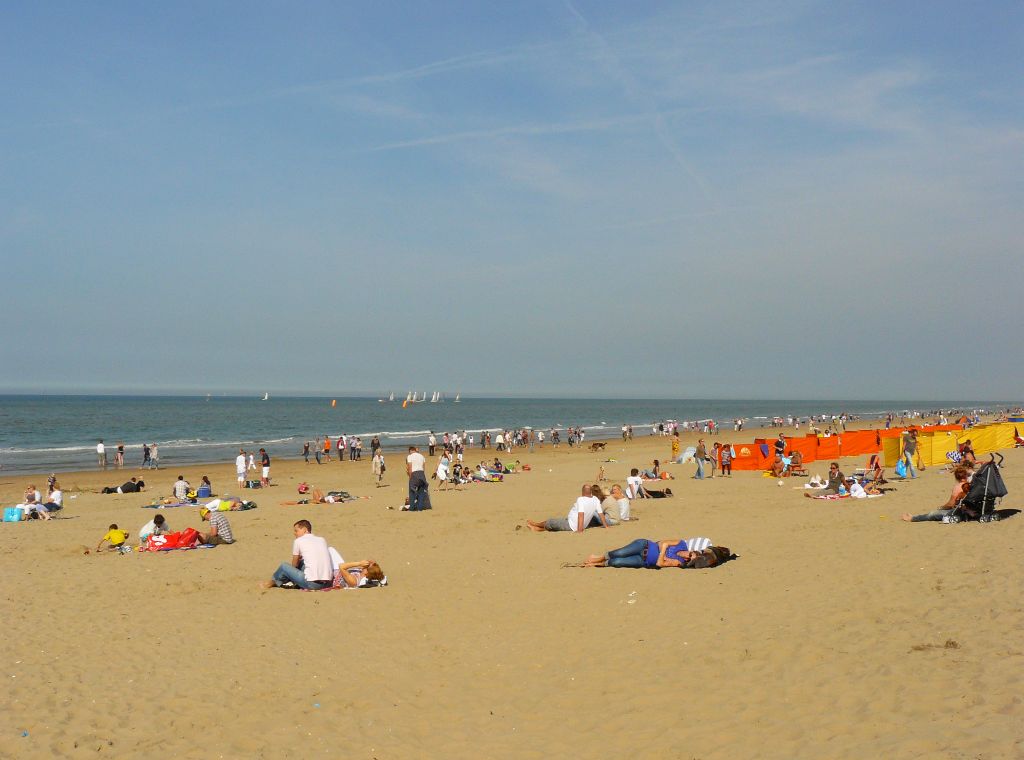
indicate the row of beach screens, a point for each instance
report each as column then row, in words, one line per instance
column 934, row 443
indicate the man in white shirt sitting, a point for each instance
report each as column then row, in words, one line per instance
column 585, row 512
column 312, row 566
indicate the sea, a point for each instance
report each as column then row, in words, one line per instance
column 52, row 433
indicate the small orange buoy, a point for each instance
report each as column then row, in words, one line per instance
column 334, row 402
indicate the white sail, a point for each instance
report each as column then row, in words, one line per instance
column 266, row 396
column 457, row 397
column 391, row 396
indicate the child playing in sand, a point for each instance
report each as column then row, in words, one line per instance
column 115, row 537
column 156, row 527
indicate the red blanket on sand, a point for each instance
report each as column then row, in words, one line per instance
column 185, row 539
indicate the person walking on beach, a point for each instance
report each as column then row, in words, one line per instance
column 305, row 451
column 101, row 454
column 699, row 456
column 240, row 467
column 119, row 456
column 419, row 493
column 327, row 448
column 378, row 466
column 146, row 456
column 909, row 450
column 154, row 456
column 431, row 443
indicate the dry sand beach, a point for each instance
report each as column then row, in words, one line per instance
column 840, row 632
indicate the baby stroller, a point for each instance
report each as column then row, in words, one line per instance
column 987, row 488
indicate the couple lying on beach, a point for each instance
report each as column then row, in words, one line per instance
column 588, row 511
column 696, row 553
column 317, row 566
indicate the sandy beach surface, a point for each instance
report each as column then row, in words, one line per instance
column 840, row 632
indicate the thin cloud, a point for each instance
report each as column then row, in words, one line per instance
column 588, row 125
column 607, row 56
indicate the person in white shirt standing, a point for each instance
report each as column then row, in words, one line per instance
column 101, row 454
column 585, row 512
column 311, row 567
column 240, row 467
column 419, row 493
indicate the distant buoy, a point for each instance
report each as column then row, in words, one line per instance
column 334, row 402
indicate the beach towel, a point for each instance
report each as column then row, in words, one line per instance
column 339, row 584
column 225, row 506
column 184, row 539
column 832, row 496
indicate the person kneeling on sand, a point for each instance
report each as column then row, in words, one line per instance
column 585, row 512
column 960, row 489
column 674, row 552
column 220, row 528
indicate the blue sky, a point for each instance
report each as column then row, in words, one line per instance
column 703, row 199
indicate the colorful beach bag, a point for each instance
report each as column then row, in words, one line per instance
column 12, row 514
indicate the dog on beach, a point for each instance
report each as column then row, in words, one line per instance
column 597, row 446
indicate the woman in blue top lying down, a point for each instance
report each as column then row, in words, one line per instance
column 674, row 552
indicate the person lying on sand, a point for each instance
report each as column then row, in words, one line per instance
column 586, row 512
column 132, row 486
column 643, row 552
column 960, row 488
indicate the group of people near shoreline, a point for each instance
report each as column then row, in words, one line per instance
column 315, row 565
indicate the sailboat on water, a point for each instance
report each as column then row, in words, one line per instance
column 266, row 397
column 457, row 397
column 391, row 397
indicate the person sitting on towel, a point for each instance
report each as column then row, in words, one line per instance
column 220, row 528
column 645, row 553
column 836, row 480
column 778, row 469
column 156, row 527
